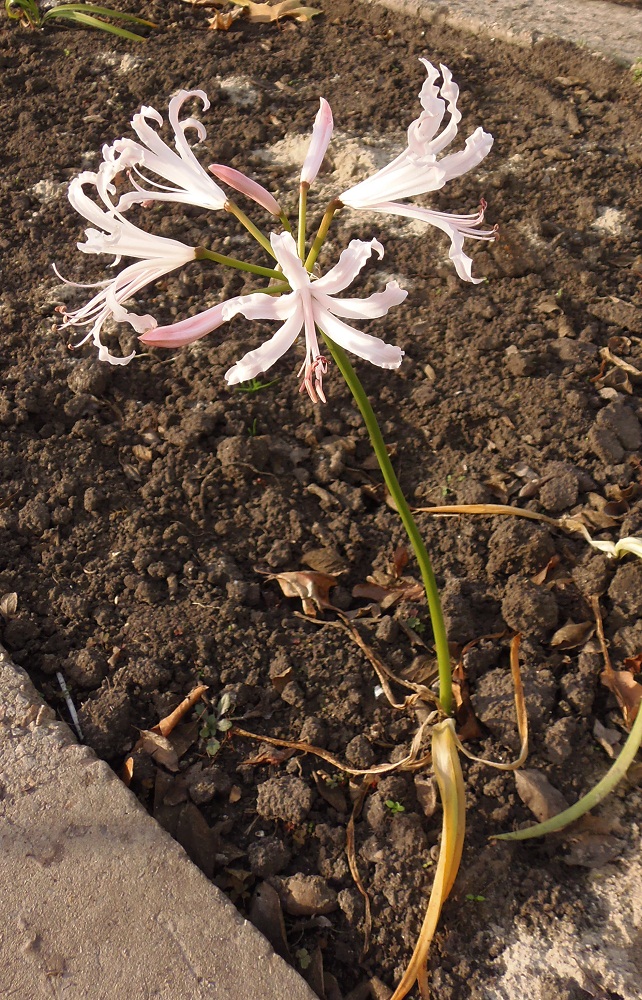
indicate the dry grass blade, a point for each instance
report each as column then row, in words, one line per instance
column 354, row 869
column 410, row 762
column 520, row 710
column 451, row 789
column 489, row 509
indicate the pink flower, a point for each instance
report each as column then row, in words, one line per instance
column 310, row 305
column 418, row 169
column 248, row 187
column 321, row 135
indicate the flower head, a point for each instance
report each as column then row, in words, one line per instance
column 310, row 305
column 321, row 135
column 154, row 256
column 420, row 168
column 189, row 182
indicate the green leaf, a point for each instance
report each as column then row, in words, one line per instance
column 90, row 8
column 224, row 704
column 213, row 747
column 92, row 22
column 224, row 724
column 603, row 788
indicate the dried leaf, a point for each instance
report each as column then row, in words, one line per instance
column 170, row 721
column 235, row 794
column 127, row 771
column 142, row 452
column 634, row 663
column 593, row 850
column 537, row 793
column 540, row 577
column 223, row 22
column 159, row 749
column 325, row 561
column 467, row 722
column 400, row 560
column 627, row 691
column 312, row 588
column 266, row 913
column 8, row 605
column 571, row 635
column 265, row 13
column 426, row 792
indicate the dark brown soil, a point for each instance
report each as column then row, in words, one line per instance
column 140, row 503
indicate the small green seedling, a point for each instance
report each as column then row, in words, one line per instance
column 303, row 957
column 255, row 385
column 214, row 723
column 636, row 70
column 253, row 428
column 84, row 15
column 473, row 898
column 395, row 807
column 416, row 625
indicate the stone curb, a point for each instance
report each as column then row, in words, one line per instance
column 608, row 29
column 98, row 902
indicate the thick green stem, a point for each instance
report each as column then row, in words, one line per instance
column 233, row 209
column 303, row 204
column 219, row 258
column 427, row 574
column 319, row 239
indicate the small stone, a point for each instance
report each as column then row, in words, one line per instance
column 359, row 752
column 34, row 518
column 307, row 896
column 626, row 588
column 268, row 857
column 559, row 493
column 93, row 500
column 89, row 376
column 86, row 668
column 314, row 731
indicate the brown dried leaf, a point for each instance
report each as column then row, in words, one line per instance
column 159, row 749
column 570, row 636
column 8, row 605
column 540, row 577
column 310, row 587
column 634, row 663
column 627, row 691
column 427, row 793
column 468, row 727
column 165, row 726
column 266, row 913
column 265, row 13
column 325, row 561
column 223, row 22
column 235, row 794
column 399, row 560
column 538, row 795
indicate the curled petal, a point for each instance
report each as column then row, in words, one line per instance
column 362, row 344
column 350, row 263
column 235, row 179
column 258, row 305
column 286, row 254
column 321, row 135
column 372, row 307
column 478, row 146
column 268, row 353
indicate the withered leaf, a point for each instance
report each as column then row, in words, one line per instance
column 543, row 574
column 8, row 605
column 266, row 913
column 593, row 850
column 627, row 691
column 426, row 792
column 310, row 587
column 159, row 749
column 223, row 22
column 265, row 13
column 571, row 635
column 634, row 663
column 537, row 793
column 325, row 561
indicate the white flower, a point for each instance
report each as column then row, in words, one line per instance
column 321, row 135
column 418, row 169
column 189, row 182
column 309, row 305
column 155, row 256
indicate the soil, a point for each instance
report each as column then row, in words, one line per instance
column 144, row 507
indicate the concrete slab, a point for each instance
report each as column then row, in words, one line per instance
column 97, row 902
column 611, row 29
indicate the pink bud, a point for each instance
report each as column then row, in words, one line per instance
column 235, row 179
column 321, row 135
column 187, row 330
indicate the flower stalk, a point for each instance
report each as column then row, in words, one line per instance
column 201, row 253
column 414, row 536
column 233, row 209
column 319, row 239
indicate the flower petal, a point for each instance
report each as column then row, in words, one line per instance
column 286, row 254
column 259, row 305
column 348, row 267
column 362, row 344
column 268, row 353
column 452, row 225
column 321, row 135
column 372, row 307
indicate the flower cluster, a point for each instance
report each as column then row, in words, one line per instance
column 296, row 297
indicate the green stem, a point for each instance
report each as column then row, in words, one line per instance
column 285, row 222
column 319, row 239
column 603, row 788
column 233, row 209
column 427, row 574
column 219, row 258
column 303, row 204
